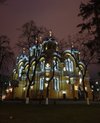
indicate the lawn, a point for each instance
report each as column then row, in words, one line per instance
column 53, row 113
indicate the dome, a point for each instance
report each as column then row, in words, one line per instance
column 50, row 43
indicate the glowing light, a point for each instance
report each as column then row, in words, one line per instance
column 47, row 79
column 50, row 33
column 63, row 92
column 47, row 65
column 7, row 90
column 24, row 89
column 80, row 80
column 67, row 81
column 96, row 83
column 79, row 73
column 92, row 86
column 31, row 87
column 9, row 84
column 98, row 89
column 47, row 73
column 64, row 69
column 46, row 48
column 46, row 85
column 86, row 88
column 3, row 97
column 76, row 87
column 10, row 89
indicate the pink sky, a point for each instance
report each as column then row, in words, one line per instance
column 58, row 15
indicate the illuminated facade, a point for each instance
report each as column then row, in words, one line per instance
column 67, row 79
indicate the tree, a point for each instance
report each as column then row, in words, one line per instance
column 90, row 13
column 31, row 37
column 6, row 53
column 79, row 42
column 87, row 56
column 6, row 57
column 2, row 1
column 52, row 56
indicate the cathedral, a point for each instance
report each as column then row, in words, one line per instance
column 59, row 72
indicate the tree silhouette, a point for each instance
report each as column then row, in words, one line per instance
column 28, row 38
column 90, row 13
column 6, row 53
column 87, row 56
column 6, row 58
column 2, row 1
column 79, row 42
column 31, row 36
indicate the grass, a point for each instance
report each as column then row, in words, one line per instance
column 59, row 113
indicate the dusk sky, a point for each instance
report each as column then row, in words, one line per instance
column 58, row 15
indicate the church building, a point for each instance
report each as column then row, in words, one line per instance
column 59, row 72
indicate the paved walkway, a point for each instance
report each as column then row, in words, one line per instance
column 51, row 101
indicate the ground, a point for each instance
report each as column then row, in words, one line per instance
column 52, row 113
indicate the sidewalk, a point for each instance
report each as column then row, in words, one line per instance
column 51, row 101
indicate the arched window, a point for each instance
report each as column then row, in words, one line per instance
column 33, row 66
column 42, row 65
column 23, row 57
column 56, row 84
column 69, row 65
column 23, row 77
column 41, row 83
column 20, row 71
column 33, row 51
column 56, row 64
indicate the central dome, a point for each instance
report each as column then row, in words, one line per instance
column 50, row 43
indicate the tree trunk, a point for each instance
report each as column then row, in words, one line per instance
column 83, row 86
column 47, row 95
column 73, row 91
column 27, row 94
column 85, row 92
